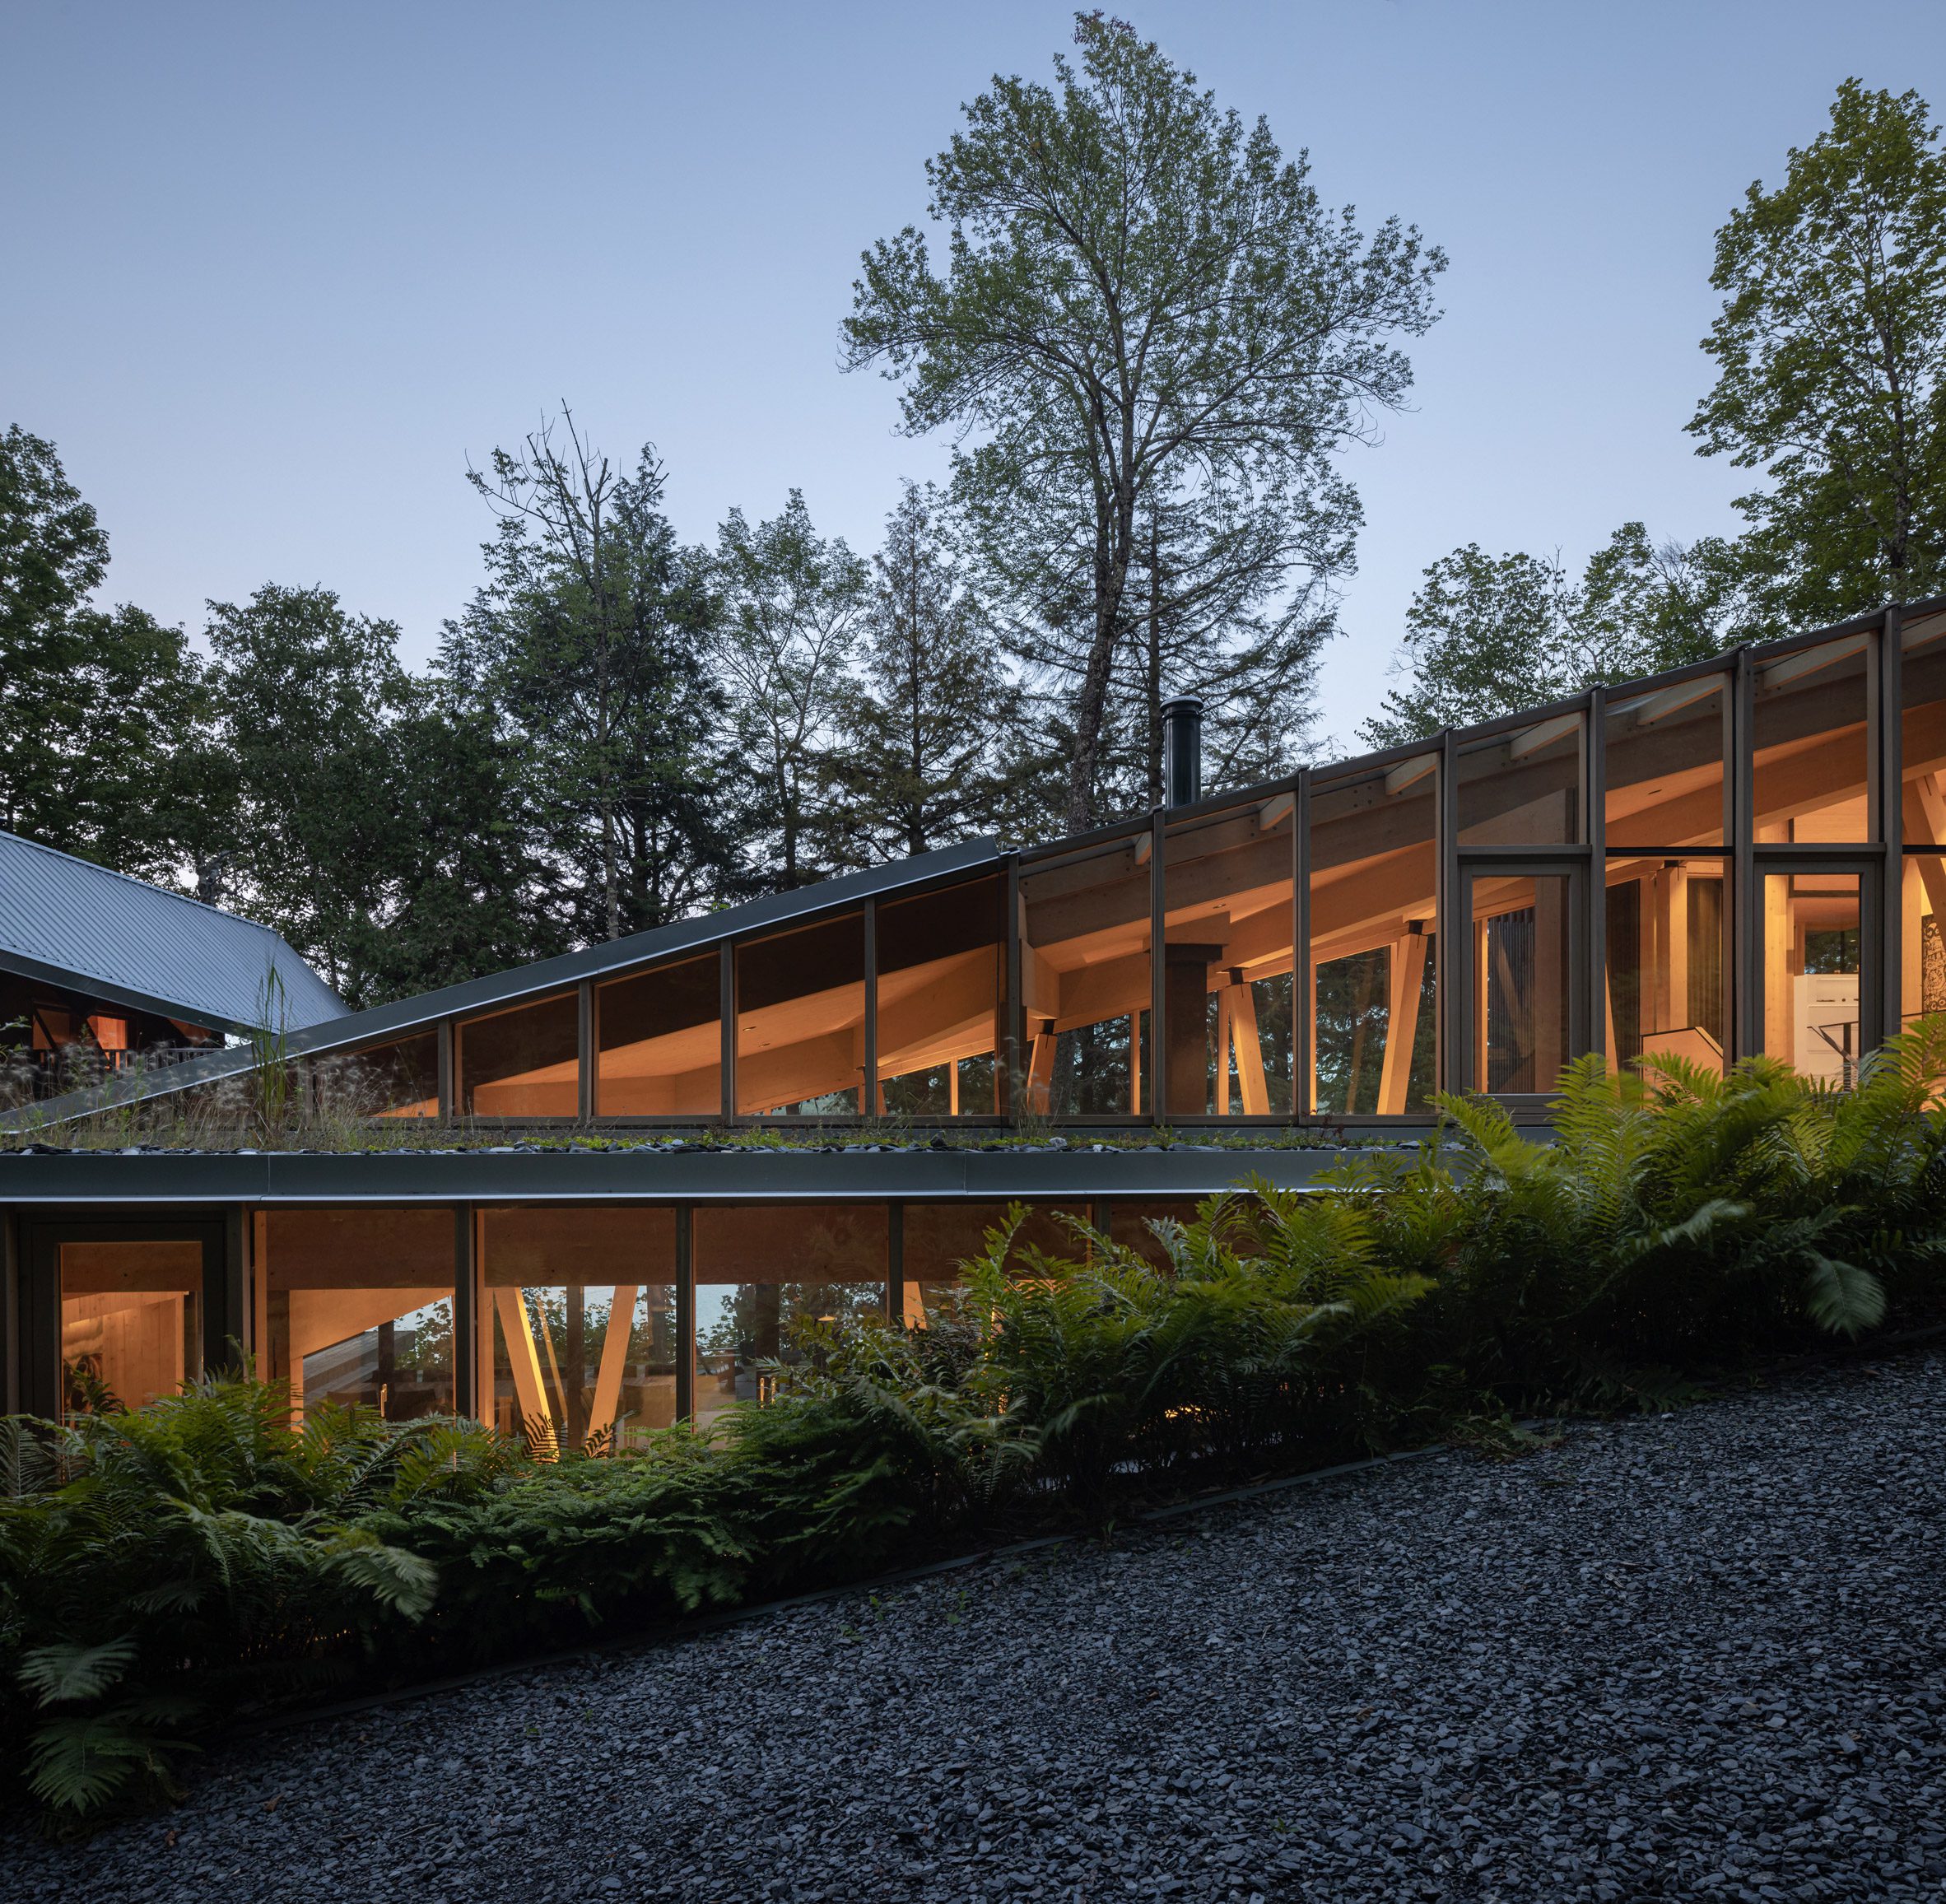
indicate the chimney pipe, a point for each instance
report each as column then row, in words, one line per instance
column 1182, row 750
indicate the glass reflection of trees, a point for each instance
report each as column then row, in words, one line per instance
column 756, row 1323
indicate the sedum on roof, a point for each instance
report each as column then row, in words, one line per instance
column 69, row 923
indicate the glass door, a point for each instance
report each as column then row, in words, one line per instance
column 1525, row 1011
column 119, row 1314
column 1818, row 926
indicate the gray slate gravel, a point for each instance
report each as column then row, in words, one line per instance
column 1693, row 1656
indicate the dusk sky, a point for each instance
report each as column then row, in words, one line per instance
column 274, row 273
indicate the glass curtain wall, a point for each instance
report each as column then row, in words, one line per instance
column 658, row 1041
column 801, row 1021
column 1085, row 979
column 1813, row 939
column 356, row 1306
column 1666, row 993
column 521, row 1062
column 573, row 1359
column 1922, row 819
column 941, row 974
column 767, row 1277
column 1229, row 920
column 131, row 1322
column 1374, row 924
column 1810, row 737
column 939, row 1238
column 1522, row 1030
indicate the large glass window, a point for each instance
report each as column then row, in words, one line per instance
column 1522, row 952
column 939, row 1237
column 1812, row 970
column 1374, row 880
column 941, row 1002
column 1522, row 787
column 801, row 1021
column 580, row 1360
column 1227, row 960
column 401, row 1079
column 357, row 1306
column 521, row 1062
column 1664, row 765
column 766, row 1277
column 1085, row 979
column 1665, row 960
column 131, row 1322
column 1922, row 988
column 1922, row 684
column 658, row 1042
column 1809, row 732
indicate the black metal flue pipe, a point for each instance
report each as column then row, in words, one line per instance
column 1182, row 750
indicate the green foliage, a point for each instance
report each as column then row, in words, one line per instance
column 1145, row 308
column 167, row 1567
column 1831, row 361
column 1488, row 635
column 101, row 709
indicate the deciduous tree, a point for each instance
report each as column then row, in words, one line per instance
column 1830, row 360
column 1143, row 300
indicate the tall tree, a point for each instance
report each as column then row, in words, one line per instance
column 594, row 632
column 1486, row 635
column 308, row 699
column 469, row 889
column 793, row 601
column 100, row 709
column 929, row 723
column 1143, row 300
column 1201, row 627
column 1830, row 360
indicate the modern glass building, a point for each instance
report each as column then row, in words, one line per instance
column 1746, row 855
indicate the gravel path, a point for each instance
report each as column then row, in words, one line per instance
column 1696, row 1656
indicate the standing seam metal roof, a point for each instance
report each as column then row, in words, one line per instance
column 95, row 931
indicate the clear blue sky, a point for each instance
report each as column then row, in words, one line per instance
column 272, row 273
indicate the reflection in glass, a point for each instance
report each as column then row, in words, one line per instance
column 766, row 1277
column 941, row 1002
column 1374, row 883
column 355, row 1307
column 939, row 1237
column 130, row 1322
column 1664, row 960
column 1812, row 1002
column 1085, row 977
column 658, row 1042
column 1664, row 765
column 401, row 1079
column 801, row 1021
column 1226, row 901
column 1522, row 981
column 521, row 1062
column 1810, row 739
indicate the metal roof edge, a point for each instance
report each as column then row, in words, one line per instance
column 695, row 1176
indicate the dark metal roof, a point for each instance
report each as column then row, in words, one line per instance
column 87, row 929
